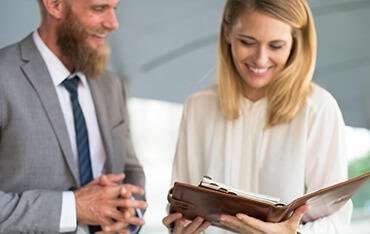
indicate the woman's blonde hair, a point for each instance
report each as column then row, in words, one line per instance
column 287, row 92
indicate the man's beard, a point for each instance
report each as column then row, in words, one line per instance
column 72, row 40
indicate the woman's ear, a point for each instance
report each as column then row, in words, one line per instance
column 226, row 32
column 55, row 8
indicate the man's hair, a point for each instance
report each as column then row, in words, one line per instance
column 42, row 8
column 288, row 92
column 43, row 11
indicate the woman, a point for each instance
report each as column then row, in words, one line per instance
column 264, row 127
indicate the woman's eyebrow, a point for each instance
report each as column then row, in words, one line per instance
column 247, row 37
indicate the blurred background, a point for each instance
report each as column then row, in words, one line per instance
column 165, row 50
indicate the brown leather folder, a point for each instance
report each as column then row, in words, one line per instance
column 193, row 201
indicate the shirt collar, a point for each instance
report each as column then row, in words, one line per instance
column 80, row 75
column 57, row 70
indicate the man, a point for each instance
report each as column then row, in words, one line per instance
column 64, row 138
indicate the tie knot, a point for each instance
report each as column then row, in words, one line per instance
column 71, row 85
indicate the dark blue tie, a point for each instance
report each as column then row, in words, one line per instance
column 82, row 138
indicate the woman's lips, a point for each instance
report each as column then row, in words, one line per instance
column 257, row 71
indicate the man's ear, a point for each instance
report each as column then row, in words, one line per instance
column 226, row 32
column 55, row 7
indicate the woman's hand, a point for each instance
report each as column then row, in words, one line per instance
column 246, row 224
column 178, row 225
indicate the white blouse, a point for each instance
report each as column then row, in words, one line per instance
column 285, row 161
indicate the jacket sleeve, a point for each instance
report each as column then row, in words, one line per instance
column 29, row 211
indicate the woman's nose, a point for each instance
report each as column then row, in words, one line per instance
column 261, row 57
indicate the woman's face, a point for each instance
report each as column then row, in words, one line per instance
column 260, row 47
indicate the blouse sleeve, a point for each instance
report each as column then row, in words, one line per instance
column 180, row 168
column 326, row 163
column 188, row 161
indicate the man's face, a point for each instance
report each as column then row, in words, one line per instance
column 83, row 31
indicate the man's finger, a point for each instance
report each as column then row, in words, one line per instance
column 116, row 177
column 136, row 221
column 134, row 189
column 121, row 226
column 125, row 193
column 130, row 203
column 103, row 232
column 103, row 180
column 111, row 179
column 117, row 227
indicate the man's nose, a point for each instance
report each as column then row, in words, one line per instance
column 110, row 21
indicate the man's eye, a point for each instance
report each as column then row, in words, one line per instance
column 99, row 8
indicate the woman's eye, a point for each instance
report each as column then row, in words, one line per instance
column 276, row 47
column 247, row 43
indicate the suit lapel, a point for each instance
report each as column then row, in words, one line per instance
column 103, row 119
column 38, row 75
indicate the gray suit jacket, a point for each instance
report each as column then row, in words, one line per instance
column 36, row 162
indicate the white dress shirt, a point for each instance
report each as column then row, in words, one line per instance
column 59, row 73
column 285, row 161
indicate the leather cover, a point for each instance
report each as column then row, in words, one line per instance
column 193, row 201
